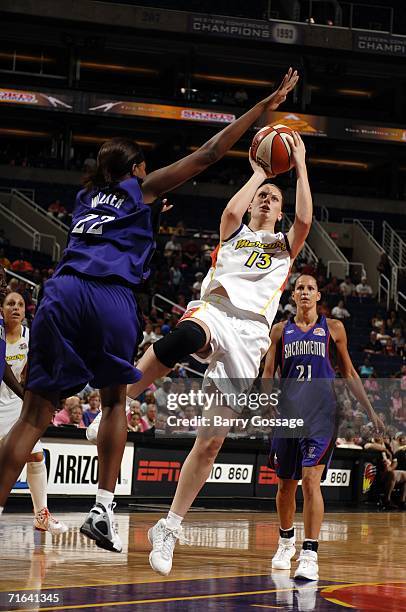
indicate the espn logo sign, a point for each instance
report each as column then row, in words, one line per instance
column 158, row 471
column 267, row 476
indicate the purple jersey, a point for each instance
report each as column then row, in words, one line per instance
column 111, row 236
column 307, row 375
column 2, row 349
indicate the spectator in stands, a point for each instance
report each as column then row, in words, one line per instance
column 175, row 275
column 340, row 312
column 173, row 248
column 150, row 417
column 396, row 401
column 390, row 349
column 161, row 394
column 400, row 417
column 366, row 369
column 349, row 440
column 332, row 288
column 180, row 229
column 165, row 228
column 161, row 422
column 377, row 320
column 94, row 408
column 4, row 261
column 393, row 321
column 56, row 209
column 180, row 307
column 382, row 336
column 135, row 421
column 76, row 416
column 374, row 346
column 197, row 285
column 384, row 266
column 90, row 163
column 62, row 417
column 148, row 334
column 399, row 342
column 393, row 478
column 363, row 290
column 324, row 309
column 22, row 265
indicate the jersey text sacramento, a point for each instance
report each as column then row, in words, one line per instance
column 305, row 347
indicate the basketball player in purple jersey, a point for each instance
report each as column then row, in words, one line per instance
column 300, row 349
column 87, row 326
column 6, row 373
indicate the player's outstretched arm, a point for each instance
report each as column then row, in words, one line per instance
column 12, row 383
column 168, row 178
column 235, row 210
column 349, row 373
column 304, row 203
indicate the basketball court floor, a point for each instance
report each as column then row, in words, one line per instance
column 225, row 566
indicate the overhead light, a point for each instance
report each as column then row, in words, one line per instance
column 357, row 93
column 215, row 78
column 25, row 133
column 100, row 139
column 27, row 58
column 338, row 162
column 118, row 68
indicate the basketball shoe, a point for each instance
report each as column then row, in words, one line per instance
column 286, row 550
column 99, row 526
column 163, row 542
column 44, row 521
column 308, row 568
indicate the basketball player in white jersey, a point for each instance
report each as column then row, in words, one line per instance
column 229, row 326
column 17, row 342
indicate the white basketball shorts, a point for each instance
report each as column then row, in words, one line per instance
column 9, row 414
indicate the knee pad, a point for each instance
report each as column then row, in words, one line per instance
column 187, row 338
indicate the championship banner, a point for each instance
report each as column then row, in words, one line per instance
column 313, row 125
column 36, row 99
column 73, row 469
column 252, row 29
column 108, row 106
column 382, row 44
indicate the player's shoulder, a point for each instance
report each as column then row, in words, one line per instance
column 335, row 326
column 277, row 330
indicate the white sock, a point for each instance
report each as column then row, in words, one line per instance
column 1, row 510
column 173, row 521
column 37, row 481
column 105, row 498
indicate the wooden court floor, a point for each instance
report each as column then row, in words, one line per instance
column 225, row 566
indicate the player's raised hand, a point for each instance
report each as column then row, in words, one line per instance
column 279, row 96
column 298, row 149
column 257, row 168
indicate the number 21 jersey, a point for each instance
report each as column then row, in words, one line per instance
column 111, row 236
column 252, row 266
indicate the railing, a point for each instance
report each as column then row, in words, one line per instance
column 39, row 209
column 400, row 301
column 384, row 292
column 164, row 299
column 367, row 224
column 325, row 236
column 394, row 245
column 21, row 278
column 324, row 214
column 347, row 265
column 307, row 252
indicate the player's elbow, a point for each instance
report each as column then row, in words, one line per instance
column 208, row 154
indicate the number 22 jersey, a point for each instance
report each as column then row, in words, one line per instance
column 252, row 266
column 111, row 236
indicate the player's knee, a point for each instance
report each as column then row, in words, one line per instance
column 208, row 448
column 286, row 487
column 310, row 482
column 187, row 338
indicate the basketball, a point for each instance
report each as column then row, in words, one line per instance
column 270, row 148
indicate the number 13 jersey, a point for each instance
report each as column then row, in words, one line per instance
column 252, row 266
column 111, row 236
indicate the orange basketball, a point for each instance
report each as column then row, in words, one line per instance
column 270, row 148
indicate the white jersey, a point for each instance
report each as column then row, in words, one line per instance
column 16, row 357
column 253, row 268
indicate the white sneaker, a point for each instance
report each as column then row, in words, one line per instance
column 44, row 521
column 92, row 430
column 99, row 526
column 163, row 542
column 286, row 550
column 308, row 568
